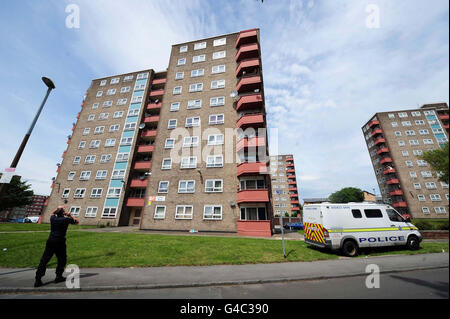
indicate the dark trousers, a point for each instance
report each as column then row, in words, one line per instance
column 53, row 247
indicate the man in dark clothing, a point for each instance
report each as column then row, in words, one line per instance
column 56, row 244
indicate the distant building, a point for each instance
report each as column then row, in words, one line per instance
column 369, row 197
column 307, row 201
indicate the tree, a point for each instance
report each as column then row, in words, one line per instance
column 438, row 160
column 16, row 194
column 348, row 194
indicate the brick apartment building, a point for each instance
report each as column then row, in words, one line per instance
column 184, row 149
column 284, row 186
column 395, row 141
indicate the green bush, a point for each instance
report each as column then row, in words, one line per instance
column 424, row 224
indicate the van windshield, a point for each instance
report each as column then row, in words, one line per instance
column 394, row 216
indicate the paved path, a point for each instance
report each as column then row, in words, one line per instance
column 93, row 279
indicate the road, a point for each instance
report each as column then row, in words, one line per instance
column 406, row 285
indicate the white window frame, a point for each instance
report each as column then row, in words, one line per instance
column 177, row 90
column 217, row 84
column 196, row 87
column 160, row 215
column 194, row 104
column 189, row 162
column 219, row 55
column 186, row 189
column 197, row 72
column 195, row 121
column 216, row 121
column 96, row 193
column 212, row 215
column 163, row 190
column 199, row 58
column 165, row 166
column 172, row 124
column 184, row 215
column 213, row 188
column 174, row 107
column 200, row 45
column 219, row 42
column 91, row 212
column 166, row 146
column 212, row 161
column 101, row 174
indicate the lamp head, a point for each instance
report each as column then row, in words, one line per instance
column 48, row 82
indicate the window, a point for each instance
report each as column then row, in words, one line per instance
column 421, row 198
column 219, row 42
column 417, row 152
column 215, row 139
column 128, row 78
column 413, row 174
column 140, row 87
column 183, row 48
column 219, row 84
column 212, row 212
column 126, row 89
column 215, row 119
column 394, row 124
column 109, row 212
column 122, row 157
column 130, row 127
column 413, row 142
column 430, row 185
column 214, row 161
column 179, row 75
column 169, row 143
column 398, row 133
column 111, row 92
column 136, row 99
column 196, row 87
column 94, row 144
column 394, row 216
column 426, row 174
column 415, row 114
column 410, row 133
column 103, row 116
column 163, row 187
column 141, row 76
column 121, row 102
column 428, row 141
column 198, row 72
column 435, row 197
column 160, row 212
column 189, row 162
column 91, row 212
column 417, row 185
column 103, row 83
column 99, row 93
column 405, row 153
column 193, row 121
column 428, row 113
column 253, row 213
column 71, row 176
column 126, row 141
column 172, row 124
column 190, row 141
column 425, row 210
column 403, row 114
column 177, row 90
column 90, row 159
column 86, row 131
column 401, row 143
column 419, row 122
column 114, row 128
column 79, row 193
column 444, row 185
column 101, row 174
column 186, row 186
column 218, row 69
column 85, row 175
column 219, row 55
column 95, row 106
column 183, row 212
column 373, row 213
column 409, row 163
column 424, row 132
column 166, row 163
column 107, row 103
column 76, row 160
column 96, row 192
column 422, row 163
column 133, row 112
column 391, row 116
column 75, row 210
column 440, row 210
column 252, row 184
column 217, row 101
column 200, row 45
column 110, row 142
column 213, row 186
column 118, row 174
column 198, row 58
column 406, row 123
column 114, row 192
column 66, row 193
column 181, row 61
column 114, row 80
column 99, row 130
column 174, row 106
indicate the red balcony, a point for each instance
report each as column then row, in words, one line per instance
column 377, row 131
column 68, row 141
column 251, row 168
column 250, row 120
column 389, row 171
column 289, row 164
column 386, row 160
column 256, row 228
column 445, row 126
column 248, row 51
column 292, row 182
column 292, row 189
column 159, row 81
column 247, row 36
column 250, row 142
column 249, row 102
column 135, row 202
column 154, row 106
column 247, row 65
column 289, row 159
column 383, row 150
column 78, row 115
column 293, row 195
column 157, row 93
column 73, row 127
column 443, row 116
column 143, row 165
column 397, row 192
column 138, row 183
column 63, row 154
column 295, row 208
column 290, row 171
column 400, row 204
column 253, row 196
column 291, row 176
column 149, row 133
column 294, row 202
column 152, row 119
column 380, row 140
column 145, row 148
column 393, row 181
column 373, row 123
column 58, row 169
column 250, row 83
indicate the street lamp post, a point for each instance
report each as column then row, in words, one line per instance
column 50, row 86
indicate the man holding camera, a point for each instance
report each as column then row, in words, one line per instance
column 56, row 244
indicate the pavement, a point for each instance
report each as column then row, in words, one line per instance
column 111, row 279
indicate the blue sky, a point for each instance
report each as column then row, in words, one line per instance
column 326, row 73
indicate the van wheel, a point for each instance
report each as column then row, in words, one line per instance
column 350, row 248
column 412, row 243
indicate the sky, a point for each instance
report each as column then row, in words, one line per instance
column 328, row 67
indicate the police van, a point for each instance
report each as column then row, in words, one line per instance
column 351, row 226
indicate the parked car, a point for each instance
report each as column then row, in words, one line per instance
column 32, row 219
column 296, row 226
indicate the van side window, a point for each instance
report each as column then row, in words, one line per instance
column 394, row 216
column 356, row 213
column 373, row 213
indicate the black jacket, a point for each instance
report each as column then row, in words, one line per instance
column 59, row 227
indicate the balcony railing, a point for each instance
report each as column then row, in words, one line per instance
column 249, row 102
column 253, row 120
column 149, row 133
column 393, row 181
column 143, row 165
column 151, row 119
column 253, row 196
column 397, row 192
column 157, row 93
column 154, row 106
column 386, row 160
column 400, row 204
column 159, row 81
column 251, row 168
column 145, row 148
column 380, row 140
column 373, row 123
column 248, row 36
column 135, row 202
column 247, row 65
column 383, row 150
column 389, row 171
column 139, row 183
column 444, row 116
column 249, row 83
column 377, row 131
column 247, row 51
column 250, row 142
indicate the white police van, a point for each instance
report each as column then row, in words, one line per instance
column 357, row 225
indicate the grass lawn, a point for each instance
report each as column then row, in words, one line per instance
column 7, row 227
column 88, row 249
